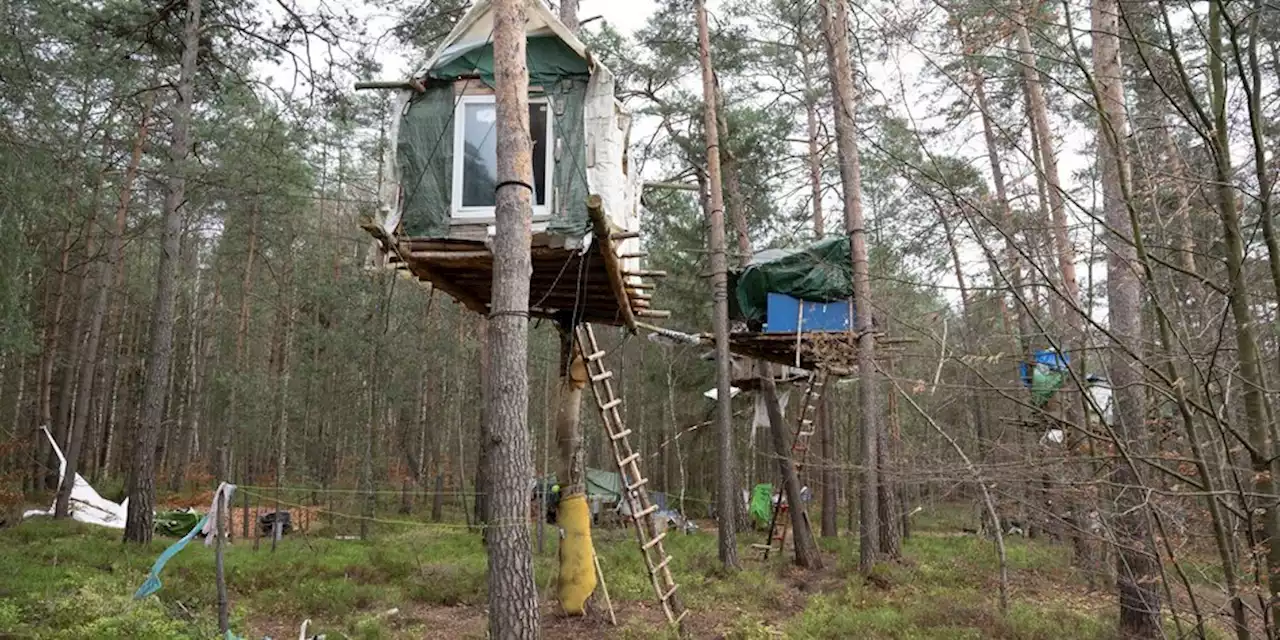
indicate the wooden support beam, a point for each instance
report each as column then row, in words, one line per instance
column 675, row 186
column 446, row 285
column 653, row 313
column 644, row 273
column 624, row 235
column 605, row 237
column 627, row 256
column 412, row 84
column 450, row 256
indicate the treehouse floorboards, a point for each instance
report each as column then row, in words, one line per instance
column 592, row 282
column 836, row 351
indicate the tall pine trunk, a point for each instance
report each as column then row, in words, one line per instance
column 726, row 487
column 142, row 474
column 835, row 24
column 1137, row 568
column 513, row 598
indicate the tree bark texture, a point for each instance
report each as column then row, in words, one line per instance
column 807, row 555
column 1137, row 570
column 835, row 24
column 513, row 598
column 142, row 474
column 726, row 488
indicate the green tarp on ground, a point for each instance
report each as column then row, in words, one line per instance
column 761, row 508
column 424, row 147
column 600, row 483
column 819, row 272
column 177, row 522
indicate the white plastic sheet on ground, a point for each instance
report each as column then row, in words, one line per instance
column 86, row 505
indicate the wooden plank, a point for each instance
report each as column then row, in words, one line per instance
column 605, row 239
column 446, row 285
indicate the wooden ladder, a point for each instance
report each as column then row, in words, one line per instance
column 779, row 524
column 648, row 532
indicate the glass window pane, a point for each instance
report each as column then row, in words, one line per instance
column 538, row 129
column 480, row 156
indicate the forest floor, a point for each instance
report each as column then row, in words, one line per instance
column 67, row 580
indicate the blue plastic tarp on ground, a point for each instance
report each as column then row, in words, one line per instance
column 152, row 583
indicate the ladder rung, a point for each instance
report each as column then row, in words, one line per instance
column 652, row 509
column 628, row 460
column 761, row 547
column 611, row 404
column 620, row 435
column 806, row 433
column 667, row 596
column 603, row 375
column 638, row 483
column 680, row 618
column 596, row 356
column 658, row 567
column 654, row 542
column 806, row 422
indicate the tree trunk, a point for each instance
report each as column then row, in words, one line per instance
column 481, row 506
column 1068, row 299
column 827, row 445
column 142, row 475
column 231, row 419
column 90, row 355
column 1138, row 570
column 726, row 489
column 807, row 555
column 1256, row 407
column 513, row 598
column 569, row 15
column 835, row 26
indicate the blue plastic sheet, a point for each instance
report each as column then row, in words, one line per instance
column 152, row 583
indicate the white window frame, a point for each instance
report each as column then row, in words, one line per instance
column 486, row 214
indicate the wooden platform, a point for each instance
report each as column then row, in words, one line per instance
column 592, row 283
column 836, row 351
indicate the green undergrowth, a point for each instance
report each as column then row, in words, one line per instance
column 65, row 580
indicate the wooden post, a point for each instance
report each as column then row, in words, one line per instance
column 224, row 612
column 604, row 589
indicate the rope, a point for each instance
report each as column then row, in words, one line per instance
column 522, row 522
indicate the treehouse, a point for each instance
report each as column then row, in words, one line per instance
column 797, row 307
column 437, row 212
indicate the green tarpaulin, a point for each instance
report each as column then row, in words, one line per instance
column 425, row 154
column 820, row 272
column 600, row 483
column 176, row 523
column 549, row 60
column 424, row 148
column 761, row 507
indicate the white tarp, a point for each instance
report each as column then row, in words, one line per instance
column 86, row 505
column 714, row 393
column 761, row 418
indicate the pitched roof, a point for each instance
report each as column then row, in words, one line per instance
column 475, row 29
